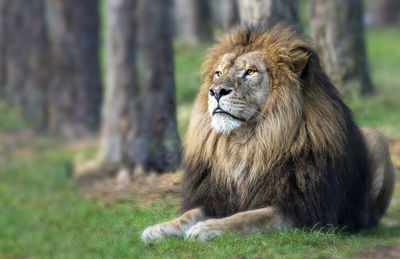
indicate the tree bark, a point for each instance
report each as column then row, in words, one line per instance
column 139, row 119
column 338, row 32
column 3, row 11
column 24, row 69
column 39, row 66
column 122, row 87
column 75, row 91
column 155, row 145
column 229, row 13
column 269, row 12
column 15, row 49
column 192, row 21
column 386, row 12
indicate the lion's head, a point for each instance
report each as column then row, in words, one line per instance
column 264, row 96
column 238, row 90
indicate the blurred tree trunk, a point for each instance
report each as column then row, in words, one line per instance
column 139, row 119
column 3, row 7
column 229, row 13
column 16, row 34
column 386, row 12
column 155, row 144
column 39, row 67
column 192, row 21
column 122, row 87
column 269, row 12
column 75, row 91
column 337, row 30
column 24, row 68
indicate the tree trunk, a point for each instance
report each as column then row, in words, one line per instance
column 3, row 8
column 337, row 30
column 16, row 44
column 24, row 68
column 192, row 21
column 75, row 91
column 229, row 13
column 386, row 12
column 269, row 12
column 139, row 119
column 155, row 144
column 122, row 92
column 38, row 79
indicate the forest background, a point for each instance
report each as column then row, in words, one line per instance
column 95, row 98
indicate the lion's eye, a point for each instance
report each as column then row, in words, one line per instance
column 218, row 73
column 250, row 71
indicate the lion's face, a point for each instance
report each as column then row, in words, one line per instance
column 264, row 98
column 238, row 92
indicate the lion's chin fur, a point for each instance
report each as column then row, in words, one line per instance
column 224, row 124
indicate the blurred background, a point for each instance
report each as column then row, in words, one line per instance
column 96, row 95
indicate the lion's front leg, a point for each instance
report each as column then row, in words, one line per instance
column 175, row 227
column 244, row 222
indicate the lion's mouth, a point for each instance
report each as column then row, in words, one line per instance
column 221, row 111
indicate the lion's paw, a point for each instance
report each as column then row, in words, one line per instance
column 160, row 231
column 202, row 231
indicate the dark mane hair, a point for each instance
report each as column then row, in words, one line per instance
column 313, row 166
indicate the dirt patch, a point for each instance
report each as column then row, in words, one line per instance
column 381, row 252
column 10, row 142
column 138, row 188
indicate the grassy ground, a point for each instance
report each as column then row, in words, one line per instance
column 42, row 213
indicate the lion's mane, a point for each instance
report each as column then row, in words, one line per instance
column 304, row 154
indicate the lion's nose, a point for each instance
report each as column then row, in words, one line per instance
column 219, row 92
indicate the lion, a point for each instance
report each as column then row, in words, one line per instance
column 271, row 145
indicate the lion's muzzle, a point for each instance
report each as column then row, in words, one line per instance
column 218, row 92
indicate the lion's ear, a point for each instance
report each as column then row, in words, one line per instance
column 299, row 58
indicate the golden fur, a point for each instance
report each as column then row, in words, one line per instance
column 290, row 120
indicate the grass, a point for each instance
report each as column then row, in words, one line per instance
column 10, row 119
column 43, row 216
column 42, row 213
column 382, row 110
column 187, row 77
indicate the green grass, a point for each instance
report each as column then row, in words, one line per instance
column 43, row 216
column 42, row 213
column 382, row 110
column 187, row 78
column 10, row 119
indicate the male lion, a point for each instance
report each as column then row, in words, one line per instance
column 270, row 145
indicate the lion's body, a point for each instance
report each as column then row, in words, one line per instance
column 314, row 167
column 382, row 170
column 283, row 151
